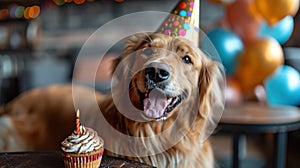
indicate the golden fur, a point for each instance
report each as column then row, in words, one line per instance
column 44, row 117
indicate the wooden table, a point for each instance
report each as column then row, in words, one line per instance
column 256, row 118
column 53, row 159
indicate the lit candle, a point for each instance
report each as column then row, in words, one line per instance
column 78, row 130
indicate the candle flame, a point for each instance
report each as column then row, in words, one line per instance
column 77, row 113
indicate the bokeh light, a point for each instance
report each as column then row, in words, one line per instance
column 78, row 2
column 12, row 10
column 31, row 12
column 19, row 12
column 59, row 2
column 36, row 11
column 4, row 14
column 26, row 13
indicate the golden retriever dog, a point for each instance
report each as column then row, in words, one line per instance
column 164, row 92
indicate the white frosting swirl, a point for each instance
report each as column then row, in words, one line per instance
column 86, row 142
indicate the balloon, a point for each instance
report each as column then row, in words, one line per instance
column 233, row 94
column 228, row 46
column 283, row 87
column 275, row 10
column 281, row 31
column 259, row 59
column 241, row 19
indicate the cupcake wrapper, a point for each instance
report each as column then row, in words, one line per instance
column 90, row 160
column 93, row 164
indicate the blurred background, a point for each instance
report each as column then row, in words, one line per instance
column 257, row 40
column 40, row 40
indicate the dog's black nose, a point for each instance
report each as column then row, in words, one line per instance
column 157, row 72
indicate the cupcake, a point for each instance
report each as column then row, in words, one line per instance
column 83, row 148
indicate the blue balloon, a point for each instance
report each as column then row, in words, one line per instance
column 281, row 31
column 283, row 87
column 227, row 44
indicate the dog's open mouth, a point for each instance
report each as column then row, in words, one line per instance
column 157, row 105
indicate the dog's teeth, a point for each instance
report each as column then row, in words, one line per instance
column 162, row 119
column 169, row 100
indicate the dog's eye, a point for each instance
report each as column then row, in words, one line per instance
column 187, row 59
column 148, row 51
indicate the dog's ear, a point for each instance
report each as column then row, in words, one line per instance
column 211, row 94
column 210, row 74
column 132, row 44
column 135, row 41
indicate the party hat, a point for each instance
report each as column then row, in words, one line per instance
column 183, row 21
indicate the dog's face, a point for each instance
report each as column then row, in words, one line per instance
column 166, row 74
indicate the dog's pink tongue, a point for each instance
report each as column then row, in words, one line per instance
column 155, row 105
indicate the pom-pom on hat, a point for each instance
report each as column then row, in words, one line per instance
column 183, row 21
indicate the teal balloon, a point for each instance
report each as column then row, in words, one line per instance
column 283, row 87
column 281, row 31
column 227, row 44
